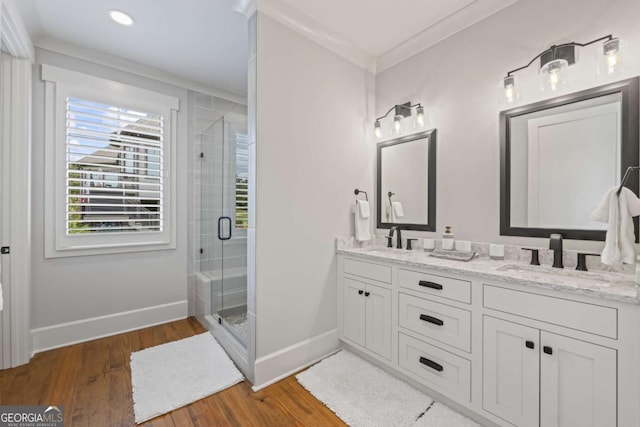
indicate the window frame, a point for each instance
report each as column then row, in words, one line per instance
column 61, row 84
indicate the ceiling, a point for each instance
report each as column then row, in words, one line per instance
column 202, row 40
column 206, row 41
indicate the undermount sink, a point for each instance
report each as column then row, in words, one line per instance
column 583, row 277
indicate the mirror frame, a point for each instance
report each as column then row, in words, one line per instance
column 628, row 90
column 431, row 185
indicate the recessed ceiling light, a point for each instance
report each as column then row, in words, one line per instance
column 121, row 17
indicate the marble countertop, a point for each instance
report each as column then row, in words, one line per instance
column 599, row 284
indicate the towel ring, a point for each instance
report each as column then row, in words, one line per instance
column 625, row 177
column 356, row 192
column 390, row 194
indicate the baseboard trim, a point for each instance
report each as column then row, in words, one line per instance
column 276, row 366
column 65, row 334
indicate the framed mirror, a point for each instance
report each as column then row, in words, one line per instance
column 559, row 157
column 406, row 182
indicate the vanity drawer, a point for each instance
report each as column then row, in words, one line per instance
column 381, row 273
column 440, row 322
column 595, row 319
column 433, row 365
column 446, row 287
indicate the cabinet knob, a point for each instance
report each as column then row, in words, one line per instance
column 547, row 349
column 366, row 294
column 360, row 292
column 529, row 344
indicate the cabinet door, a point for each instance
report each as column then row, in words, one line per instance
column 378, row 320
column 577, row 383
column 353, row 311
column 511, row 370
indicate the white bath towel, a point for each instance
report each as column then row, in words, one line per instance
column 397, row 212
column 362, row 222
column 617, row 212
column 363, row 208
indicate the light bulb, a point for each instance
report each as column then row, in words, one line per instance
column 612, row 61
column 508, row 93
column 420, row 116
column 554, row 79
column 378, row 129
column 397, row 123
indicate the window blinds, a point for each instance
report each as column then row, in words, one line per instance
column 114, row 169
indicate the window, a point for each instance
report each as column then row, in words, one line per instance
column 242, row 181
column 109, row 158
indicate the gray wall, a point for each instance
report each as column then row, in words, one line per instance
column 312, row 151
column 76, row 288
column 458, row 81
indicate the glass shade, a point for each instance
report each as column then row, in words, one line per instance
column 509, row 92
column 553, row 75
column 611, row 57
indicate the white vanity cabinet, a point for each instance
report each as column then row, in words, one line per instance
column 365, row 307
column 537, row 378
column 367, row 316
column 511, row 351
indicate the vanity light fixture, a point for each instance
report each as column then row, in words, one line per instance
column 555, row 60
column 121, row 18
column 401, row 112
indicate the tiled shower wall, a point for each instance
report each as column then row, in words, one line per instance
column 206, row 191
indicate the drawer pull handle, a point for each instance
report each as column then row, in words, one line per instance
column 366, row 294
column 529, row 344
column 360, row 292
column 431, row 285
column 430, row 363
column 431, row 319
column 547, row 349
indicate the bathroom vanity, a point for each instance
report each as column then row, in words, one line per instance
column 516, row 344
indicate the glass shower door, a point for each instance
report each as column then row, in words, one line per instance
column 224, row 221
column 232, row 226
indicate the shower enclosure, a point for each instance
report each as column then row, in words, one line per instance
column 223, row 219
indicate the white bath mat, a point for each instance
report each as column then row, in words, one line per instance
column 169, row 376
column 363, row 395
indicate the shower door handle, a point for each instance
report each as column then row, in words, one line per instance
column 220, row 236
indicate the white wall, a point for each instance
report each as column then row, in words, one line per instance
column 312, row 152
column 75, row 289
column 458, row 81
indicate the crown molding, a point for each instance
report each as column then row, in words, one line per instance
column 447, row 27
column 297, row 21
column 137, row 68
column 13, row 32
column 245, row 7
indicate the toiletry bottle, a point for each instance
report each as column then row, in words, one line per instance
column 448, row 243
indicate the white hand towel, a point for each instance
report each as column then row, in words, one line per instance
column 363, row 208
column 397, row 212
column 617, row 212
column 362, row 224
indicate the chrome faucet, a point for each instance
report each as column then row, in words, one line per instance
column 555, row 244
column 398, row 236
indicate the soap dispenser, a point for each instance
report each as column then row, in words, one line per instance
column 448, row 242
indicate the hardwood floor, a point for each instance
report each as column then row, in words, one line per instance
column 93, row 382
